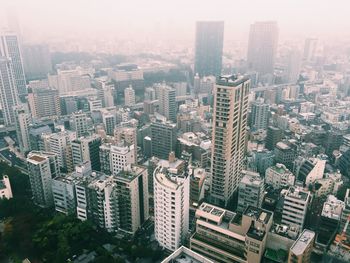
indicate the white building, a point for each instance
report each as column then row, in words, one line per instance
column 167, row 102
column 79, row 123
column 260, row 114
column 95, row 104
column 279, row 176
column 5, row 188
column 129, row 96
column 296, row 202
column 120, row 157
column 23, row 121
column 171, row 207
column 250, row 190
column 301, row 249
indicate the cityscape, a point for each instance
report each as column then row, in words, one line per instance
column 174, row 131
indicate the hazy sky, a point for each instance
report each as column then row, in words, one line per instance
column 176, row 18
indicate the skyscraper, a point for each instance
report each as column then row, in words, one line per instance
column 129, row 96
column 262, row 47
column 8, row 91
column 9, row 47
column 229, row 136
column 167, row 102
column 22, row 128
column 209, row 45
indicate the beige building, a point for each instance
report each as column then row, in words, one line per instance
column 225, row 236
column 229, row 136
column 300, row 252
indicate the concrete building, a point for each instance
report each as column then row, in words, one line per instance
column 208, row 48
column 295, row 206
column 37, row 61
column 163, row 138
column 79, row 123
column 301, row 250
column 228, row 136
column 310, row 48
column 184, row 254
column 279, row 176
column 95, row 104
column 250, row 191
column 129, row 96
column 262, row 47
column 87, row 149
column 8, row 90
column 109, row 122
column 63, row 190
column 44, row 102
column 131, row 198
column 273, row 136
column 293, row 66
column 42, row 167
column 10, row 48
column 285, row 154
column 167, row 102
column 259, row 115
column 5, row 188
column 171, row 206
column 128, row 136
column 225, row 236
column 346, row 212
column 23, row 121
column 120, row 157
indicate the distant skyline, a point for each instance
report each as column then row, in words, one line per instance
column 175, row 20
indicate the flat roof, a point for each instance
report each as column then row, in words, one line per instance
column 186, row 255
column 37, row 158
column 303, row 242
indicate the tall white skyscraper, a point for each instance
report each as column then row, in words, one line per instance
column 260, row 114
column 171, row 207
column 229, row 136
column 23, row 121
column 129, row 95
column 8, row 91
column 167, row 102
column 262, row 47
column 10, row 48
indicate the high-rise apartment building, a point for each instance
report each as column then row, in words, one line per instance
column 262, row 47
column 273, row 136
column 129, row 96
column 42, row 168
column 131, row 198
column 8, row 91
column 79, row 123
column 10, row 48
column 208, row 48
column 229, row 136
column 293, row 66
column 23, row 121
column 87, row 149
column 260, row 114
column 171, row 207
column 250, row 191
column 167, row 102
column 44, row 102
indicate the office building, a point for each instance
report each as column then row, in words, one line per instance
column 79, row 123
column 278, row 176
column 94, row 104
column 44, row 102
column 167, row 102
column 10, row 48
column 171, row 206
column 163, row 138
column 8, row 91
column 262, row 47
column 87, row 149
column 301, row 250
column 37, row 61
column 208, row 48
column 250, row 191
column 129, row 96
column 22, row 123
column 260, row 114
column 63, row 190
column 42, row 167
column 109, row 122
column 131, row 198
column 187, row 255
column 5, row 188
column 228, row 136
column 310, row 49
column 225, row 236
column 295, row 206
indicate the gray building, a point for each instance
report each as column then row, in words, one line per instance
column 208, row 48
column 163, row 136
column 167, row 102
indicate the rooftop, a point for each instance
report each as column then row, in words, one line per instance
column 305, row 239
column 37, row 158
column 298, row 193
column 185, row 255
